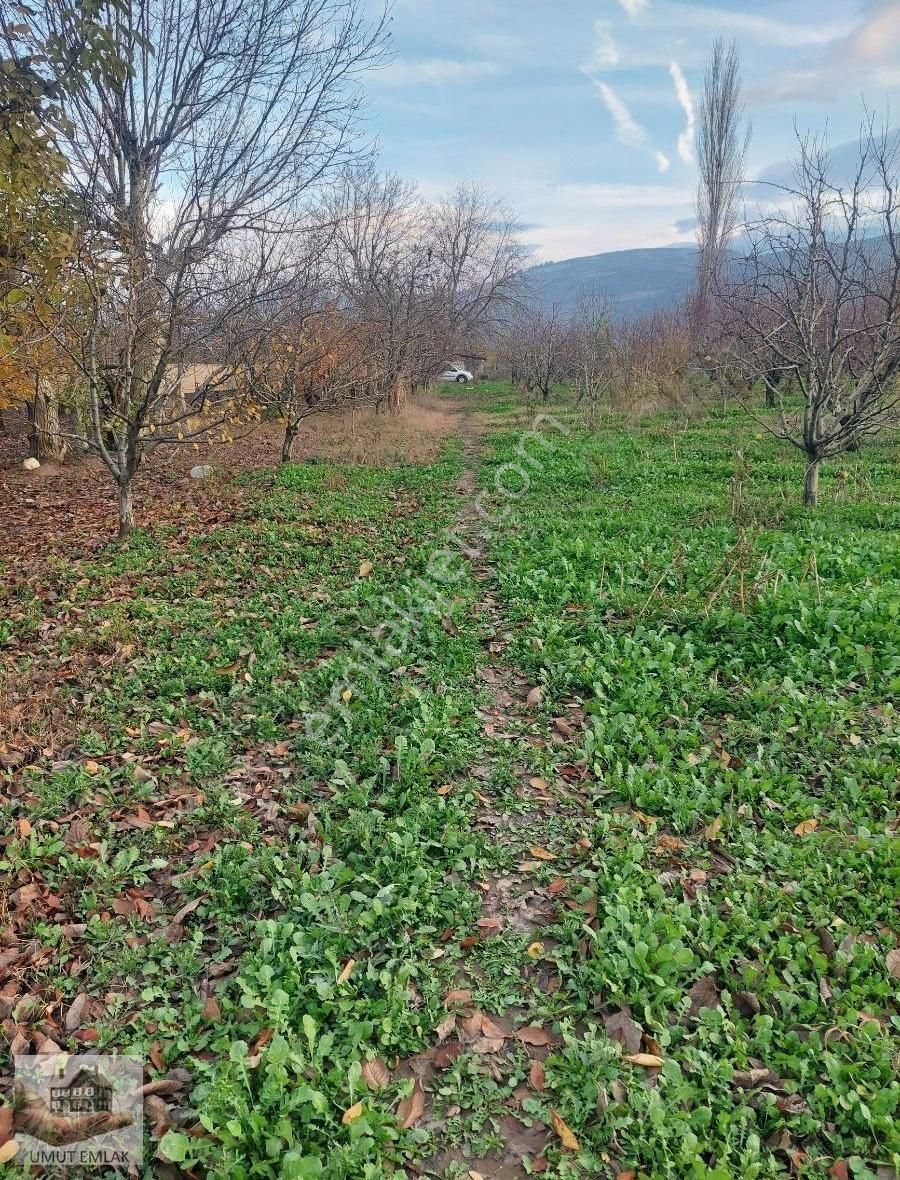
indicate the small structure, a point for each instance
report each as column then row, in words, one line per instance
column 471, row 361
column 88, row 1092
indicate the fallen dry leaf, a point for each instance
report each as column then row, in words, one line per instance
column 211, row 1009
column 459, row 995
column 713, row 829
column 445, row 1028
column 76, row 1011
column 412, row 1108
column 645, row 1060
column 490, row 924
column 746, row 1079
column 566, row 1136
column 347, row 971
column 540, row 853
column 492, row 1030
column 622, row 1028
column 805, row 827
column 375, row 1074
column 352, row 1113
column 537, row 1076
column 532, row 1034
column 534, row 698
column 892, row 961
column 535, row 951
column 365, row 568
column 704, row 993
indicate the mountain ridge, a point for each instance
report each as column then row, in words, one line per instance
column 635, row 281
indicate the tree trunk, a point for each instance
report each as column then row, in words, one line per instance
column 48, row 441
column 126, row 508
column 399, row 391
column 287, row 443
column 811, row 484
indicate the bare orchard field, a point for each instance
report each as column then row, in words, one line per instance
column 70, row 508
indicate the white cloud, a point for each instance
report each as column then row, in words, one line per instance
column 683, row 93
column 606, row 53
column 633, row 8
column 434, row 71
column 663, row 163
column 627, row 129
column 624, row 196
column 762, row 29
column 866, row 55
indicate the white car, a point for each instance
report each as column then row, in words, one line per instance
column 452, row 373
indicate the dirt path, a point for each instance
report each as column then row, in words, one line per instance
column 511, row 1041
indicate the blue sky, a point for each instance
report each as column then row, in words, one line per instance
column 578, row 111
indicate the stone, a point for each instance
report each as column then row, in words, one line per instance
column 201, row 472
column 31, row 465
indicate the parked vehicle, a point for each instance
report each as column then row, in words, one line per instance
column 452, row 373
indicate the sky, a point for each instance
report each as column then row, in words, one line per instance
column 580, row 113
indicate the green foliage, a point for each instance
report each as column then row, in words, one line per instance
column 736, row 660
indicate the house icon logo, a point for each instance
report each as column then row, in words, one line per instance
column 75, row 1111
column 88, row 1092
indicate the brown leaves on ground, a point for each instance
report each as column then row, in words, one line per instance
column 352, row 1114
column 622, row 1028
column 645, row 1060
column 541, row 853
column 375, row 1074
column 533, row 1034
column 459, row 995
column 712, row 830
column 806, row 827
column 211, row 1010
column 411, row 1108
column 566, row 1136
column 704, row 993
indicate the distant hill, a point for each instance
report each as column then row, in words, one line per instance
column 634, row 280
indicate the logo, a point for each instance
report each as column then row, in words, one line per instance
column 82, row 1111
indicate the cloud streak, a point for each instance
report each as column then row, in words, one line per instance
column 686, row 102
column 633, row 8
column 606, row 53
column 435, row 71
column 626, row 127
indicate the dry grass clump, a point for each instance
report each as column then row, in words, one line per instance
column 413, row 434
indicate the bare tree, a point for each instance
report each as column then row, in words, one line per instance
column 592, row 349
column 422, row 280
column 723, row 138
column 304, row 353
column 478, row 260
column 817, row 301
column 539, row 346
column 654, row 354
column 189, row 167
